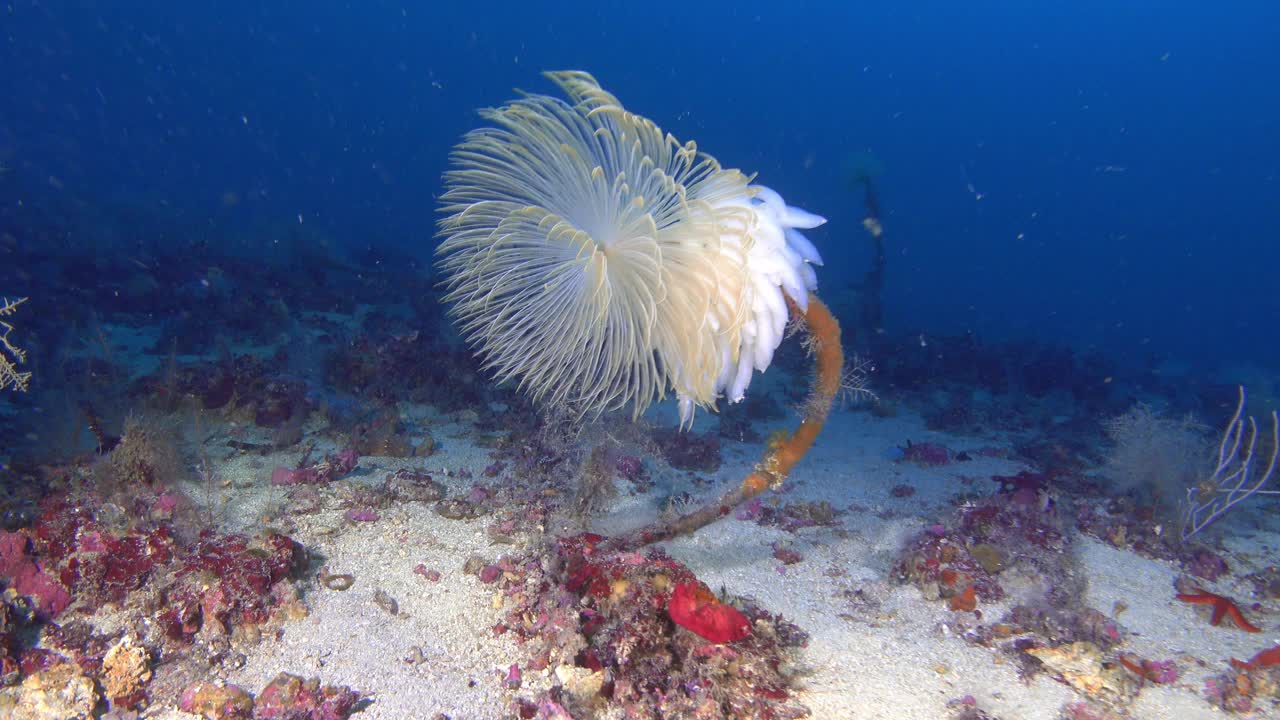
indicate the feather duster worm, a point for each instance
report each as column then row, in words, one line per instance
column 599, row 263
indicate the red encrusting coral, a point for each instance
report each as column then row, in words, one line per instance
column 219, row 581
column 226, row 582
column 662, row 644
column 105, row 567
column 75, row 558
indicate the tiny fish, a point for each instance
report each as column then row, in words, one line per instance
column 386, row 602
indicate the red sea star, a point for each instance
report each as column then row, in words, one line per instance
column 1221, row 606
column 1262, row 659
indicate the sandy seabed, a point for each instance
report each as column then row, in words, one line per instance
column 890, row 655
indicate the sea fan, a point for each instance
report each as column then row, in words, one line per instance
column 599, row 262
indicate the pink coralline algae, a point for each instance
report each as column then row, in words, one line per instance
column 27, row 578
column 361, row 515
column 1205, row 564
column 106, row 567
column 1025, row 488
column 631, row 468
column 786, row 555
column 287, row 476
column 926, row 454
column 1235, row 691
column 967, row 708
column 431, row 574
column 165, row 504
column 1160, row 672
column 1163, row 672
column 750, row 510
column 71, row 556
column 331, row 468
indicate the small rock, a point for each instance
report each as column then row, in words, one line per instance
column 337, row 582
column 990, row 557
column 473, row 565
column 217, row 702
column 1080, row 665
column 513, row 679
column 459, row 509
column 490, row 573
column 426, row 446
column 411, row 486
column 581, row 684
column 930, row 591
column 386, row 602
column 125, row 669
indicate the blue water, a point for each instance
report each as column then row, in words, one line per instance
column 1097, row 173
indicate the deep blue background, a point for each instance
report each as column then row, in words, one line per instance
column 1105, row 173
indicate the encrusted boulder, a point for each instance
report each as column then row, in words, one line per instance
column 126, row 669
column 217, row 702
column 1080, row 665
column 63, row 692
column 289, row 697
